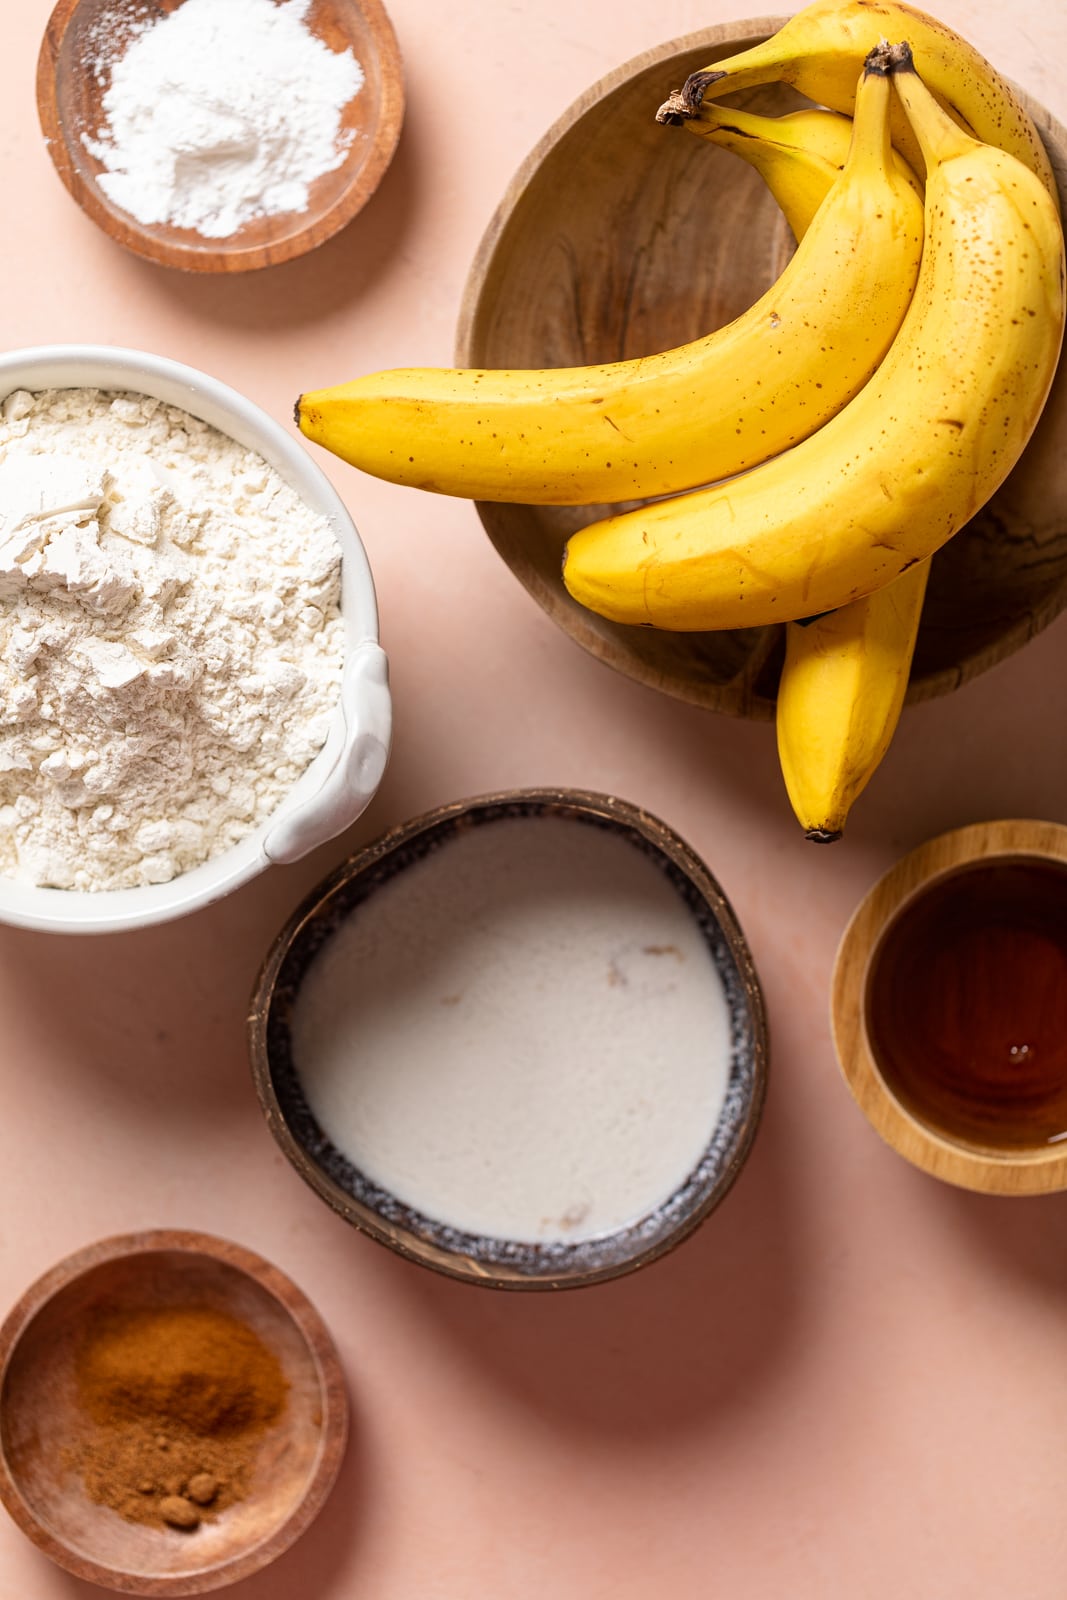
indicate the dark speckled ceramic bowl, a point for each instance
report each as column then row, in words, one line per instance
column 493, row 1262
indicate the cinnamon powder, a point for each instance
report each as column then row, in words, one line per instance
column 176, row 1400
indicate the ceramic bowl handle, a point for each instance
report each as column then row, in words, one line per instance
column 356, row 771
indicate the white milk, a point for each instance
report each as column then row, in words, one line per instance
column 522, row 1036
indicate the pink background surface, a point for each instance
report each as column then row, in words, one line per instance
column 852, row 1379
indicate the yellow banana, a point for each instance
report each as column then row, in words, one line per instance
column 581, row 435
column 821, row 49
column 890, row 478
column 845, row 675
column 840, row 697
column 797, row 155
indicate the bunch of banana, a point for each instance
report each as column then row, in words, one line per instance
column 814, row 454
column 899, row 469
column 887, row 481
column 663, row 423
column 845, row 674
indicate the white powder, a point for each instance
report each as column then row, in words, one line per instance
column 222, row 111
column 170, row 639
column 523, row 1035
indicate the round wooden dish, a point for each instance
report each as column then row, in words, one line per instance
column 1040, row 1170
column 619, row 237
column 69, row 104
column 39, row 1414
column 498, row 1263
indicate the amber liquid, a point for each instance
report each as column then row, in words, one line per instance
column 967, row 1005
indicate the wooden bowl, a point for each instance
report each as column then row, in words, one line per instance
column 619, row 237
column 40, row 1414
column 1037, row 1169
column 494, row 1262
column 69, row 103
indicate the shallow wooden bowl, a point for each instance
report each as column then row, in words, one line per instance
column 69, row 96
column 620, row 237
column 497, row 1263
column 1038, row 1170
column 39, row 1414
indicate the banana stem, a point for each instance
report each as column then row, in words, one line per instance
column 763, row 63
column 872, row 141
column 940, row 139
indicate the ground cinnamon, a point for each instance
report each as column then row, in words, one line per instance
column 176, row 1401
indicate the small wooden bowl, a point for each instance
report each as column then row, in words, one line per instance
column 69, row 104
column 619, row 237
column 497, row 1263
column 39, row 1414
column 1038, row 1170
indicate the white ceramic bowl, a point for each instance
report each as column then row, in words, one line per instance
column 343, row 777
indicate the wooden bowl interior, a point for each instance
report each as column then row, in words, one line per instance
column 1038, row 1170
column 70, row 102
column 40, row 1416
column 620, row 237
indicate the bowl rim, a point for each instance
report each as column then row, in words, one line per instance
column 175, row 383
column 590, row 805
column 741, row 34
column 320, row 1346
column 139, row 238
column 1027, row 1171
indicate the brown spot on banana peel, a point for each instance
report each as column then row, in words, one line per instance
column 740, row 133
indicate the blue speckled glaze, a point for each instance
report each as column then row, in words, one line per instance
column 552, row 1263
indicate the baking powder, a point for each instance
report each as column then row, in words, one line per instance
column 221, row 111
column 170, row 639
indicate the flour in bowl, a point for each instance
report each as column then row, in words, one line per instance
column 170, row 639
column 219, row 112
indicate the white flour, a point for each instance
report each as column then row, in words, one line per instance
column 222, row 111
column 170, row 639
column 523, row 1034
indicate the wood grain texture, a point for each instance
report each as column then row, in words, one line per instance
column 620, row 237
column 1042, row 1170
column 299, row 1458
column 69, row 104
